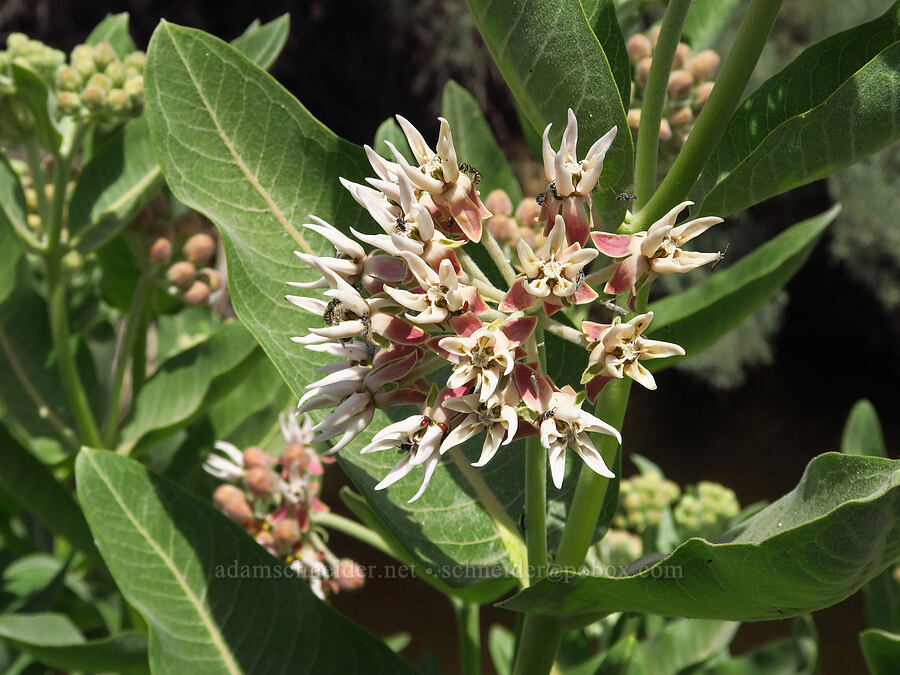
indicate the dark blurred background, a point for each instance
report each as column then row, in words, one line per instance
column 749, row 415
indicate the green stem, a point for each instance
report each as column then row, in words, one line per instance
column 468, row 630
column 535, row 508
column 33, row 154
column 498, row 256
column 353, row 529
column 590, row 492
column 139, row 359
column 711, row 124
column 654, row 99
column 563, row 331
column 538, row 644
column 133, row 322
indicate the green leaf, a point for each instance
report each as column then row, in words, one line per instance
column 117, row 182
column 832, row 106
column 795, row 656
column 53, row 640
column 475, row 144
column 699, row 316
column 881, row 651
column 13, row 214
column 810, row 549
column 705, row 20
column 266, row 164
column 389, row 130
column 170, row 553
column 684, row 643
column 34, row 92
column 502, row 647
column 34, row 487
column 601, row 15
column 186, row 384
column 537, row 44
column 862, row 432
column 114, row 30
column 263, row 43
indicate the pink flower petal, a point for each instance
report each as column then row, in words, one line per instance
column 583, row 295
column 386, row 268
column 468, row 216
column 613, row 245
column 593, row 387
column 465, row 324
column 397, row 330
column 526, row 378
column 624, row 277
column 578, row 227
column 550, row 309
column 399, row 397
column 593, row 331
column 518, row 298
column 519, row 330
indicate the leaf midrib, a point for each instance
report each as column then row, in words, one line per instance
column 215, row 635
column 290, row 229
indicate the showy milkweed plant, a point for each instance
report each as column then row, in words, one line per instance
column 211, row 304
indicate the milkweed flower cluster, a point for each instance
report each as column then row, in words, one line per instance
column 401, row 304
column 276, row 499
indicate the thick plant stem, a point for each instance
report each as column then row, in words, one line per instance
column 498, row 256
column 538, row 645
column 536, row 508
column 590, row 492
column 654, row 99
column 468, row 630
column 565, row 332
column 133, row 323
column 710, row 125
column 139, row 358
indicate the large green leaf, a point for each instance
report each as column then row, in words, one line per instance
column 601, row 15
column 475, row 144
column 794, row 656
column 215, row 601
column 684, row 643
column 24, row 478
column 862, row 432
column 257, row 163
column 705, row 20
column 699, row 316
column 114, row 30
column 552, row 61
column 115, row 184
column 810, row 549
column 262, row 43
column 184, row 385
column 53, row 640
column 13, row 214
column 881, row 651
column 35, row 93
column 832, row 106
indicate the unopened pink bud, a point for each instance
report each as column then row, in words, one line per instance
column 654, row 35
column 682, row 55
column 634, row 118
column 199, row 248
column 705, row 65
column 639, row 47
column 197, row 294
column 528, row 212
column 260, row 481
column 211, row 278
column 681, row 117
column 233, row 502
column 182, row 274
column 160, row 250
column 256, row 458
column 503, row 228
column 350, row 576
column 642, row 71
column 187, row 224
column 701, row 94
column 665, row 130
column 499, row 203
column 680, row 83
column 287, row 533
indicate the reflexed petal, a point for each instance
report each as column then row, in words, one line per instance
column 447, row 153
column 414, row 301
column 594, row 461
column 682, row 261
column 429, row 468
column 490, row 446
column 593, row 331
column 518, row 298
column 657, row 349
column 396, row 329
column 613, row 245
column 384, row 169
column 313, row 305
column 400, row 470
column 519, row 329
column 549, row 155
column 693, row 228
column 345, row 329
column 340, row 241
column 639, row 374
column 461, row 433
column 416, row 141
column 386, row 268
column 592, row 166
column 557, row 460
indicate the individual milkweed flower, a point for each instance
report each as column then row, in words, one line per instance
column 298, row 444
column 353, row 264
column 555, row 274
column 496, row 417
column 617, row 350
column 419, row 439
column 227, row 466
column 484, row 354
column 307, row 564
column 642, row 257
column 442, row 295
column 439, row 175
column 348, row 315
column 570, row 181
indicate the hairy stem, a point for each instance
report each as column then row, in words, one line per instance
column 133, row 323
column 563, row 331
column 710, row 125
column 468, row 631
column 498, row 256
column 654, row 99
column 351, row 528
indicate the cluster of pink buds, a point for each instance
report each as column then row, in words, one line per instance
column 276, row 500
column 415, row 302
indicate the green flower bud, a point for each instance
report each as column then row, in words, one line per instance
column 115, row 71
column 16, row 43
column 706, row 510
column 136, row 60
column 84, row 66
column 34, row 221
column 134, row 87
column 69, row 79
column 118, row 103
column 93, row 97
column 102, row 81
column 82, row 51
column 642, row 501
column 104, row 54
column 68, row 103
column 31, row 199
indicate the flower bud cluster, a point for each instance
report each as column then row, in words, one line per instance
column 185, row 247
column 617, row 549
column 276, row 499
column 690, row 84
column 31, row 54
column 642, row 501
column 705, row 510
column 32, row 198
column 96, row 83
column 408, row 301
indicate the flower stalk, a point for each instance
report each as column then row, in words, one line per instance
column 654, row 98
column 468, row 631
